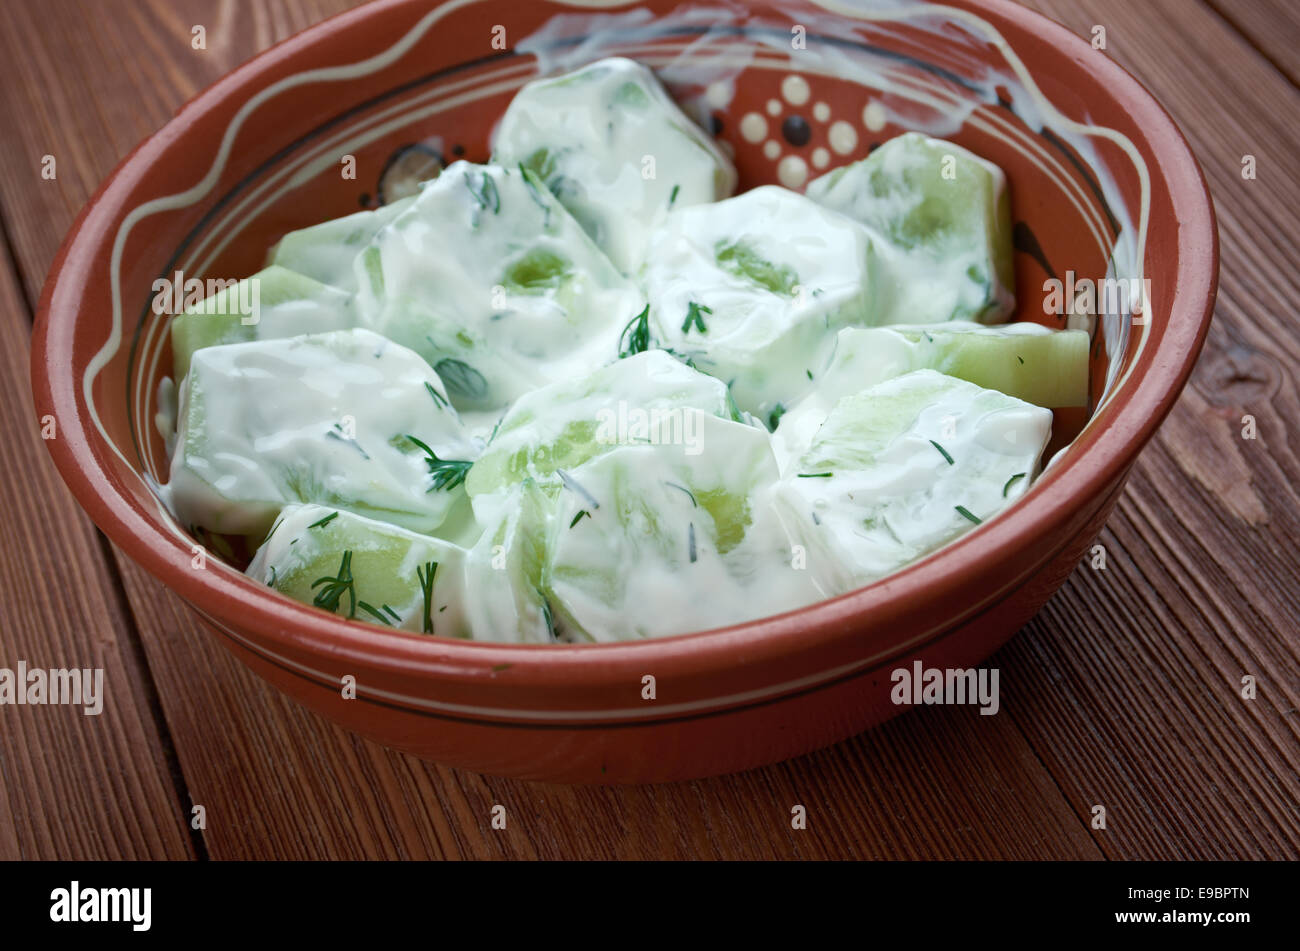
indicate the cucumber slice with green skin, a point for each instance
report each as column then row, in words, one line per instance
column 273, row 303
column 1026, row 361
column 946, row 218
column 489, row 279
column 643, row 398
column 751, row 288
column 504, row 600
column 328, row 251
column 615, row 148
column 365, row 570
column 651, row 540
column 324, row 418
column 906, row 466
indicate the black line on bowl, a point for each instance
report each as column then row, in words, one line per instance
column 1093, row 185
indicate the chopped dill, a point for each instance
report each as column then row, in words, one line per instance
column 943, row 451
column 425, row 575
column 373, row 613
column 438, row 399
column 694, row 316
column 335, row 587
column 636, row 335
column 446, row 473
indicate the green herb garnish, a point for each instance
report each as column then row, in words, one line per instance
column 636, row 335
column 672, row 199
column 966, row 513
column 743, row 261
column 774, row 417
column 446, row 473
column 461, row 378
column 325, row 521
column 484, row 190
column 943, row 451
column 693, row 316
column 814, row 475
column 425, row 574
column 681, row 488
column 546, row 616
column 1012, row 481
column 574, row 486
column 577, row 518
column 337, row 586
column 533, row 190
column 438, row 399
column 373, row 613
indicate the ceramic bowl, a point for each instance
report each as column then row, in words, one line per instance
column 1102, row 184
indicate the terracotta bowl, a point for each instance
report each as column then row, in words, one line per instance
column 1094, row 162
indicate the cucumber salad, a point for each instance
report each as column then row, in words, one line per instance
column 588, row 392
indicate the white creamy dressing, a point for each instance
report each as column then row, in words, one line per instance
column 858, row 358
column 776, row 271
column 308, row 541
column 642, row 399
column 487, row 277
column 961, row 268
column 317, row 418
column 673, row 541
column 616, row 150
column 874, row 492
column 327, row 252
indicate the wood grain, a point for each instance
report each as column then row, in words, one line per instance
column 1201, row 584
column 1271, row 26
column 71, row 785
column 1124, row 692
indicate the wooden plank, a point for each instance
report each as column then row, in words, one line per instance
column 1137, row 698
column 72, row 786
column 1271, row 26
column 278, row 782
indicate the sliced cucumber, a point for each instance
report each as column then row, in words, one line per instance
column 644, row 398
column 504, row 599
column 612, row 145
column 750, row 289
column 945, row 215
column 1025, row 361
column 273, row 303
column 365, row 570
column 1030, row 362
column 653, row 540
column 328, row 251
column 488, row 278
column 347, row 419
column 908, row 465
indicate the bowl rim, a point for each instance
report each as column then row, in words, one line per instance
column 83, row 458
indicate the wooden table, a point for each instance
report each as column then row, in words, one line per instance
column 1124, row 692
